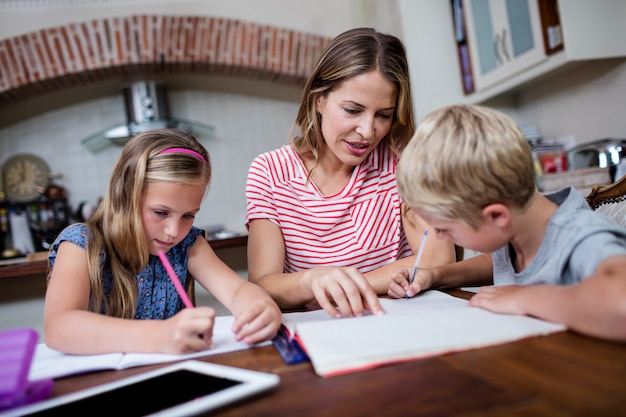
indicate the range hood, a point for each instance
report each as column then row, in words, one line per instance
column 147, row 108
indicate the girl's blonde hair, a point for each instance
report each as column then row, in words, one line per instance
column 116, row 228
column 463, row 158
column 355, row 52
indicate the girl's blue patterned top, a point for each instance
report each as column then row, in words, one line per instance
column 157, row 296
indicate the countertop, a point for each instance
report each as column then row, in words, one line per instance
column 21, row 267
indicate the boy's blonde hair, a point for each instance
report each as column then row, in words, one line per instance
column 463, row 158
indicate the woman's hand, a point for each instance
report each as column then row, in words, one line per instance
column 399, row 286
column 190, row 330
column 342, row 292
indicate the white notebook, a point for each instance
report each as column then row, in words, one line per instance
column 432, row 323
column 50, row 363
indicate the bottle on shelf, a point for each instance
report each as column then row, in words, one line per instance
column 8, row 251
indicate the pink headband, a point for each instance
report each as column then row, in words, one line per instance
column 183, row 150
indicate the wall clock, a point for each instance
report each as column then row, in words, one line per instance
column 25, row 177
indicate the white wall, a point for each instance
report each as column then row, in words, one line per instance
column 428, row 35
column 245, row 126
column 587, row 103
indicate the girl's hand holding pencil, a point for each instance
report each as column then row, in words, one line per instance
column 189, row 331
column 192, row 328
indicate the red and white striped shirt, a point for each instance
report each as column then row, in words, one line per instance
column 360, row 226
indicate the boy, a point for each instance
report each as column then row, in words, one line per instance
column 468, row 171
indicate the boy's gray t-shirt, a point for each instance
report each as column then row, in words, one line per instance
column 577, row 240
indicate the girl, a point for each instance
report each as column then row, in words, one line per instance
column 106, row 271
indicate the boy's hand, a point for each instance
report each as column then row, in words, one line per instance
column 399, row 285
column 506, row 299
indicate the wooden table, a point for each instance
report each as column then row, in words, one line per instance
column 563, row 374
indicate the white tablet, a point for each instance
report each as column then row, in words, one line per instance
column 181, row 389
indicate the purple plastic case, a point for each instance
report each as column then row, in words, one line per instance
column 17, row 347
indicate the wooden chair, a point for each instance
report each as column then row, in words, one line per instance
column 610, row 200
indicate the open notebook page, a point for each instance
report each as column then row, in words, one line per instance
column 429, row 326
column 50, row 363
column 425, row 301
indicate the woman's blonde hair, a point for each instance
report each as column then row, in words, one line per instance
column 354, row 52
column 463, row 158
column 116, row 230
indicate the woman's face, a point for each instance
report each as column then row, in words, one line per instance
column 356, row 116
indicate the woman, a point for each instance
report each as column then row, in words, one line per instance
column 324, row 216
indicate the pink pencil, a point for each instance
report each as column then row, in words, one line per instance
column 175, row 280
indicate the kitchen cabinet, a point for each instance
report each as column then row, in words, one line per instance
column 590, row 31
column 504, row 38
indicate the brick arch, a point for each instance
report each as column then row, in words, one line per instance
column 144, row 45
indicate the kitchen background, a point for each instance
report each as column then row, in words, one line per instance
column 576, row 103
column 576, row 95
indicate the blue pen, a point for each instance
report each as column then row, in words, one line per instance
column 417, row 259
